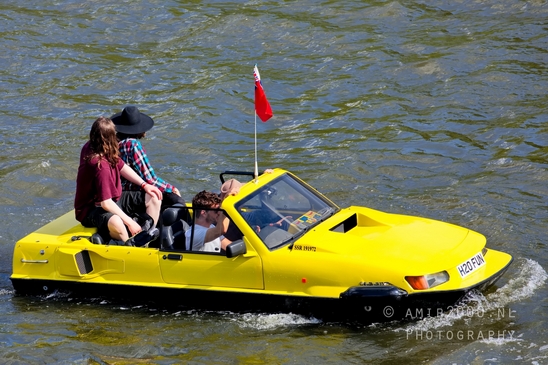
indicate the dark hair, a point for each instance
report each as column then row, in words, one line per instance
column 103, row 143
column 121, row 136
column 205, row 200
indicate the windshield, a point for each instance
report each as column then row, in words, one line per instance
column 283, row 210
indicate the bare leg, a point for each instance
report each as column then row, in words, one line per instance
column 153, row 206
column 117, row 228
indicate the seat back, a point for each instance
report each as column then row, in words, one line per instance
column 174, row 226
column 98, row 239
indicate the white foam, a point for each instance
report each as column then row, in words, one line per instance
column 56, row 295
column 271, row 321
column 500, row 341
column 522, row 286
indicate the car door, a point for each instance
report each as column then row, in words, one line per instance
column 212, row 269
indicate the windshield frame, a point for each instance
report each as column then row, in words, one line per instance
column 277, row 225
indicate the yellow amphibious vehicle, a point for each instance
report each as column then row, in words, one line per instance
column 298, row 252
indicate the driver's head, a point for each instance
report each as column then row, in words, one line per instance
column 230, row 187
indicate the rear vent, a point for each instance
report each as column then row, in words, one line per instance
column 346, row 225
column 84, row 262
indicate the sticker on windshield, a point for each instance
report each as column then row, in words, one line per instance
column 471, row 265
column 307, row 219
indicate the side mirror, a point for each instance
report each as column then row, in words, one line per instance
column 236, row 248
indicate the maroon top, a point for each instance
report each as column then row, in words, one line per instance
column 95, row 183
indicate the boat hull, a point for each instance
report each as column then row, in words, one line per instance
column 361, row 304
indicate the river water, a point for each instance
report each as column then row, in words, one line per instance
column 433, row 108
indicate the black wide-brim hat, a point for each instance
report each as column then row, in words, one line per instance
column 132, row 121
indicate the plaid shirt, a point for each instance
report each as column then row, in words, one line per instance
column 135, row 156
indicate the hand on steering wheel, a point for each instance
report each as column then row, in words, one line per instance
column 279, row 223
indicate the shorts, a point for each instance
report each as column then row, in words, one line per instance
column 131, row 202
column 98, row 217
column 170, row 199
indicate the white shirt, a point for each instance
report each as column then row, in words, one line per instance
column 199, row 236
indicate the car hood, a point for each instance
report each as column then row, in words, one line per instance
column 416, row 245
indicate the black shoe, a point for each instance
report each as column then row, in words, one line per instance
column 143, row 238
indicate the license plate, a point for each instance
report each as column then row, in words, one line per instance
column 471, row 265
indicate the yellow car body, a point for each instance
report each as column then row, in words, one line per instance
column 299, row 253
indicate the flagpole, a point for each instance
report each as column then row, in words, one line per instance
column 262, row 110
column 256, row 164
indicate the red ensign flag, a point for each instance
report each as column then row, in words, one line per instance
column 262, row 106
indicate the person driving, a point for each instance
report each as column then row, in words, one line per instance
column 226, row 227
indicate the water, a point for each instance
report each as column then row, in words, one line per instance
column 435, row 109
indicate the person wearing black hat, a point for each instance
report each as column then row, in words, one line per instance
column 132, row 125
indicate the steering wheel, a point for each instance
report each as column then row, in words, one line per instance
column 283, row 218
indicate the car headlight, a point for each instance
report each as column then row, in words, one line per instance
column 427, row 281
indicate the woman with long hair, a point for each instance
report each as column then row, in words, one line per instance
column 99, row 188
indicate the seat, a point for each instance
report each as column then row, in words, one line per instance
column 174, row 226
column 98, row 239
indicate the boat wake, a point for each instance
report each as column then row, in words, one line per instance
column 6, row 292
column 272, row 321
column 529, row 277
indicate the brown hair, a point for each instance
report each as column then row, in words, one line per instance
column 103, row 142
column 205, row 200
